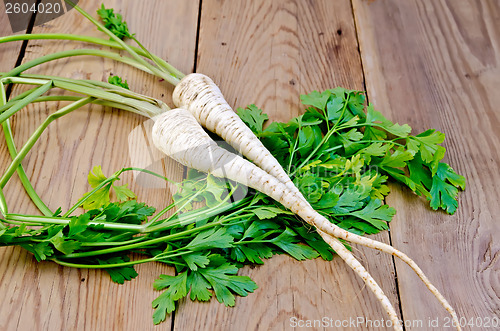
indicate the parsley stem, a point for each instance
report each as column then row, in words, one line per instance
column 143, row 105
column 9, row 139
column 381, row 141
column 102, row 266
column 182, row 234
column 3, row 204
column 7, row 112
column 92, row 40
column 294, row 149
column 80, row 201
column 325, row 138
column 34, row 137
column 107, row 181
column 39, row 220
column 168, row 76
column 161, row 213
column 112, row 243
column 28, row 187
column 79, row 52
column 149, row 172
column 192, row 217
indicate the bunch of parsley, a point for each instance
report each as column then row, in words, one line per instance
column 339, row 155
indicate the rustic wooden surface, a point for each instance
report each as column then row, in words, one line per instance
column 426, row 63
column 444, row 76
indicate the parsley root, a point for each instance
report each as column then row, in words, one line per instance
column 178, row 135
column 201, row 96
column 345, row 205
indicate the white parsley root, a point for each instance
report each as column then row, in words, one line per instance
column 178, row 135
column 203, row 99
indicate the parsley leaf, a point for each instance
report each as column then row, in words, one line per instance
column 444, row 189
column 78, row 224
column 288, row 242
column 176, row 288
column 114, row 23
column 253, row 117
column 115, row 80
column 119, row 274
column 224, row 282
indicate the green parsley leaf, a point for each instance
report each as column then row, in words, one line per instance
column 253, row 117
column 316, row 99
column 253, row 252
column 120, row 274
column 123, row 193
column 114, row 23
column 224, row 281
column 444, row 189
column 175, row 289
column 116, row 80
column 397, row 159
column 212, row 238
column 63, row 245
column 288, row 242
column 196, row 260
column 376, row 117
column 269, row 212
column 376, row 214
column 199, row 287
column 41, row 250
column 78, row 224
column 96, row 176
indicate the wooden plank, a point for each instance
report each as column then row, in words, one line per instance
column 10, row 51
column 268, row 53
column 8, row 55
column 436, row 64
column 43, row 295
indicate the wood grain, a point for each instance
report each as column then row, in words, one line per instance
column 426, row 63
column 267, row 53
column 44, row 296
column 437, row 64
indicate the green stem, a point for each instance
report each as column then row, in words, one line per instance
column 28, row 187
column 3, row 204
column 161, row 213
column 158, row 240
column 325, row 138
column 78, row 52
column 294, row 150
column 139, row 104
column 5, row 113
column 112, row 243
column 109, row 180
column 102, row 184
column 168, row 76
column 104, row 103
column 38, row 220
column 31, row 141
column 190, row 217
column 92, row 40
column 95, row 84
column 381, row 141
column 149, row 172
column 102, row 266
column 20, row 170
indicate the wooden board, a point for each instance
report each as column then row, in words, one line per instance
column 427, row 63
column 437, row 64
column 268, row 53
column 43, row 295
